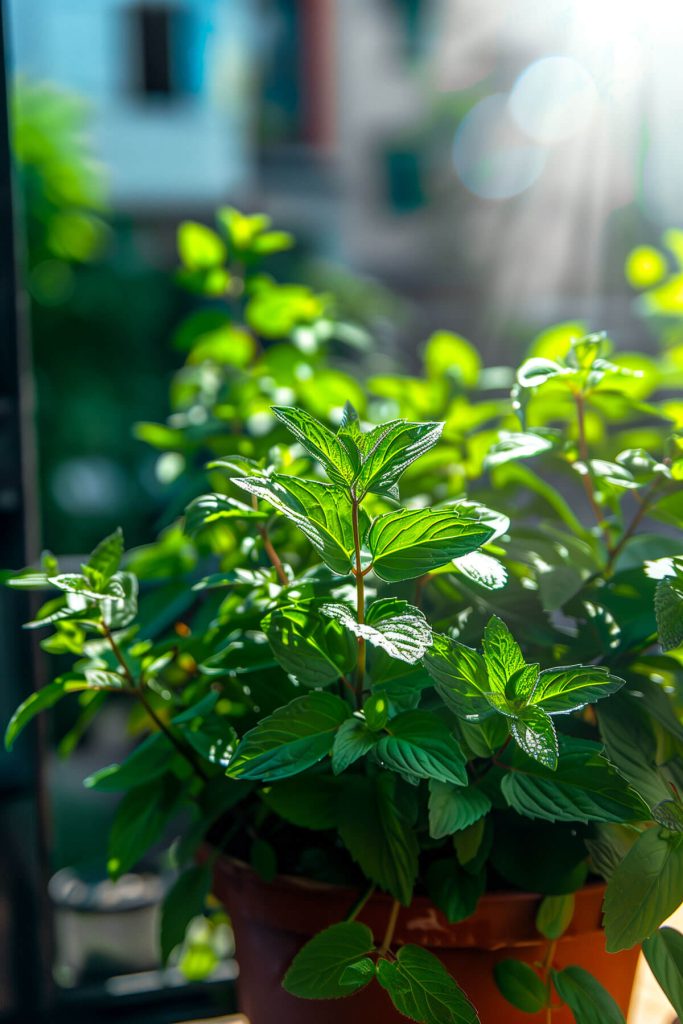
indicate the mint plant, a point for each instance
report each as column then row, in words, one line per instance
column 444, row 696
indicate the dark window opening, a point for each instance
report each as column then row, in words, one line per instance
column 161, row 41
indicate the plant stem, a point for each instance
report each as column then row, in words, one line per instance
column 586, row 477
column 640, row 512
column 268, row 547
column 136, row 689
column 360, row 903
column 547, row 964
column 391, row 928
column 360, row 603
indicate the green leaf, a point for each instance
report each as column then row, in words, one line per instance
column 320, row 969
column 460, row 676
column 139, row 822
column 534, row 731
column 309, row 801
column 583, row 787
column 199, row 247
column 320, row 442
column 502, row 654
column 586, row 998
column 664, row 953
column 263, row 859
column 452, row 808
column 119, row 609
column 376, row 712
column 421, row 745
column 313, row 648
column 214, row 508
column 537, row 371
column 669, row 612
column 410, row 542
column 379, row 840
column 554, row 915
column 106, row 557
column 669, row 813
column 472, row 844
column 453, row 889
column 184, row 900
column 395, row 626
column 631, row 747
column 483, row 569
column 388, row 450
column 290, row 740
column 150, row 760
column 450, row 355
column 520, row 985
column 644, row 890
column 421, row 988
column 516, row 446
column 39, row 701
column 321, row 511
column 566, row 688
column 352, row 742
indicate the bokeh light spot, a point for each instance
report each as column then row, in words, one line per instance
column 491, row 158
column 553, row 99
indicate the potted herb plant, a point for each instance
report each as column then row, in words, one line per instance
column 414, row 739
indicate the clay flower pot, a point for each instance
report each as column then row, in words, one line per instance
column 273, row 920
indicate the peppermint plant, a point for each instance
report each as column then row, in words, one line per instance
column 438, row 697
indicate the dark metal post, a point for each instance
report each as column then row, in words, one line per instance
column 24, row 959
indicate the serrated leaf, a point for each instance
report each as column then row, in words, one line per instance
column 39, row 701
column 452, row 808
column 410, row 542
column 644, row 889
column 388, row 450
column 535, row 733
column 184, row 900
column 586, row 998
column 395, row 626
column 460, row 676
column 379, row 840
column 631, row 747
column 421, row 988
column 568, row 687
column 313, row 648
column 120, row 608
column 308, row 801
column 289, row 740
column 520, row 985
column 321, row 969
column 664, row 953
column 352, row 742
column 582, row 787
column 554, row 915
column 483, row 569
column 669, row 613
column 320, row 442
column 502, row 654
column 421, row 745
column 454, row 890
column 321, row 511
column 669, row 813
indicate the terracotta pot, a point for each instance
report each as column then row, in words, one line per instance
column 272, row 921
